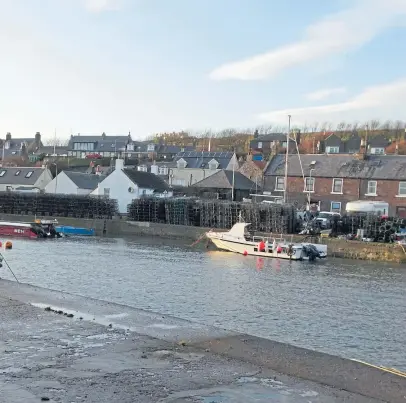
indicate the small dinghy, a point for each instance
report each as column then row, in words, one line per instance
column 239, row 240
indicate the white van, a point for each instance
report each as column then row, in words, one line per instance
column 380, row 208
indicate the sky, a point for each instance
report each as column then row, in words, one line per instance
column 150, row 66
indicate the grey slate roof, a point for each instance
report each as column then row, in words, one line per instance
column 196, row 159
column 49, row 150
column 83, row 180
column 341, row 166
column 146, row 180
column 224, row 180
column 168, row 149
column 378, row 141
column 10, row 178
column 101, row 143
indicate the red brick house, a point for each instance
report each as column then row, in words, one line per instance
column 333, row 180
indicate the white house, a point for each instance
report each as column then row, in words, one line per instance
column 125, row 185
column 193, row 167
column 73, row 183
column 16, row 178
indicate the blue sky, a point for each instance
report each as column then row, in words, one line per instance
column 146, row 66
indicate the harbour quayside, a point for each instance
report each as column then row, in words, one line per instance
column 239, row 240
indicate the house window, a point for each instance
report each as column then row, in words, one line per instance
column 332, row 150
column 337, row 186
column 142, row 168
column 284, row 144
column 378, row 150
column 163, row 170
column 335, row 207
column 3, row 172
column 371, row 188
column 107, row 192
column 17, row 173
column 29, row 174
column 259, row 144
column 309, row 184
column 402, row 188
column 280, row 184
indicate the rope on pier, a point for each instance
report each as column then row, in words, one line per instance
column 393, row 371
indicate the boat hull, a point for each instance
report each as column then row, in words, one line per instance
column 67, row 230
column 17, row 231
column 281, row 250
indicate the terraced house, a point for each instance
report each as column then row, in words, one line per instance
column 333, row 180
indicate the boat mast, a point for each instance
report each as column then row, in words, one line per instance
column 286, row 163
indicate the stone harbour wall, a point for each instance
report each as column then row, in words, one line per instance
column 121, row 227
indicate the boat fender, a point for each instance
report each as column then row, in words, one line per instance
column 8, row 245
column 279, row 249
column 261, row 246
column 245, row 253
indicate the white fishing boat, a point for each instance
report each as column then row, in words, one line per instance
column 239, row 240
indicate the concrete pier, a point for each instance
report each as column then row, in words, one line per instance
column 61, row 347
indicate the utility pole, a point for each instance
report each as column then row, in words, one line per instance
column 286, row 163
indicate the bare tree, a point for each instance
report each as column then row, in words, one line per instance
column 341, row 126
column 387, row 125
column 399, row 127
column 373, row 124
column 355, row 126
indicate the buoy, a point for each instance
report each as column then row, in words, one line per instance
column 8, row 245
column 245, row 253
column 1, row 244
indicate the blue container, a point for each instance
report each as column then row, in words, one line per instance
column 64, row 229
column 257, row 157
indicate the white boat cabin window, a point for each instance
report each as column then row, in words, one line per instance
column 335, row 207
column 280, row 184
column 309, row 184
column 3, row 172
column 29, row 174
column 17, row 173
column 337, row 186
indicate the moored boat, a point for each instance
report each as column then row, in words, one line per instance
column 68, row 230
column 22, row 230
column 239, row 240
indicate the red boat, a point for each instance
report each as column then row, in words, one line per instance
column 22, row 230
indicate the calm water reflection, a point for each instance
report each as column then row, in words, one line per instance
column 350, row 308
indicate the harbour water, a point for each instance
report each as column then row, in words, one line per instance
column 349, row 308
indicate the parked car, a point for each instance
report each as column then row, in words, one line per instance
column 324, row 218
column 94, row 156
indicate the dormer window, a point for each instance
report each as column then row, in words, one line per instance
column 213, row 164
column 181, row 163
column 130, row 147
column 151, row 147
column 142, row 168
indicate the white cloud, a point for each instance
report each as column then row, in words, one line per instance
column 98, row 6
column 383, row 101
column 325, row 93
column 338, row 33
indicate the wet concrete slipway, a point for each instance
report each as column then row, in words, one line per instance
column 62, row 347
